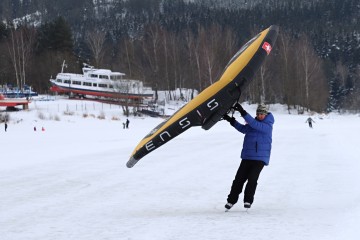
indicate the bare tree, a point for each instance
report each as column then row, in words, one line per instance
column 20, row 49
column 174, row 58
column 285, row 54
column 190, row 45
column 165, row 37
column 122, row 87
column 128, row 44
column 260, row 89
column 310, row 66
column 231, row 44
column 207, row 49
column 96, row 42
column 211, row 54
column 197, row 54
column 150, row 47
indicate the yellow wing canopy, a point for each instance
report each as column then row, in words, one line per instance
column 210, row 105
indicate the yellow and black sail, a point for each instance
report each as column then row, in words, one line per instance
column 212, row 103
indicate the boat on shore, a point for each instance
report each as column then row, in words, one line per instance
column 13, row 92
column 11, row 103
column 100, row 83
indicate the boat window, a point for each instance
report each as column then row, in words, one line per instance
column 103, row 85
column 111, row 86
column 66, row 81
column 104, row 77
column 87, row 84
column 76, row 82
column 115, row 77
column 94, row 75
column 59, row 80
column 94, row 84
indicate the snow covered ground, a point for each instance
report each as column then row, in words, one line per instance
column 70, row 181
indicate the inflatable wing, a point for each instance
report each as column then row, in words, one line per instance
column 210, row 105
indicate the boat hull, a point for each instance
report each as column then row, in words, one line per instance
column 106, row 94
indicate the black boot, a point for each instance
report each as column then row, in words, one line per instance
column 247, row 205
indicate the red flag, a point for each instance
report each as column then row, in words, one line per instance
column 267, row 47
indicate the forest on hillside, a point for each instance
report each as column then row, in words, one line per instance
column 315, row 64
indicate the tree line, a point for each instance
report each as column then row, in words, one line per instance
column 177, row 44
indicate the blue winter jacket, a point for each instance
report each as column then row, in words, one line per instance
column 258, row 137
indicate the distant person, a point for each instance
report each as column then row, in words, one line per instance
column 255, row 153
column 124, row 125
column 127, row 123
column 310, row 121
column 6, row 126
column 43, row 129
column 34, row 129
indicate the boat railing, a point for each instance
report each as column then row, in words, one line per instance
column 70, row 74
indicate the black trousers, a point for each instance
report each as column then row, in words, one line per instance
column 249, row 171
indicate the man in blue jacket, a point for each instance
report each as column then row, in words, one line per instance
column 255, row 153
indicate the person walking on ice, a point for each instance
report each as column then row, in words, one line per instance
column 310, row 121
column 255, row 153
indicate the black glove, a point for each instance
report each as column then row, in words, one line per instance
column 231, row 120
column 239, row 108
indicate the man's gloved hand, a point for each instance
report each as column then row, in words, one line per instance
column 239, row 108
column 231, row 120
